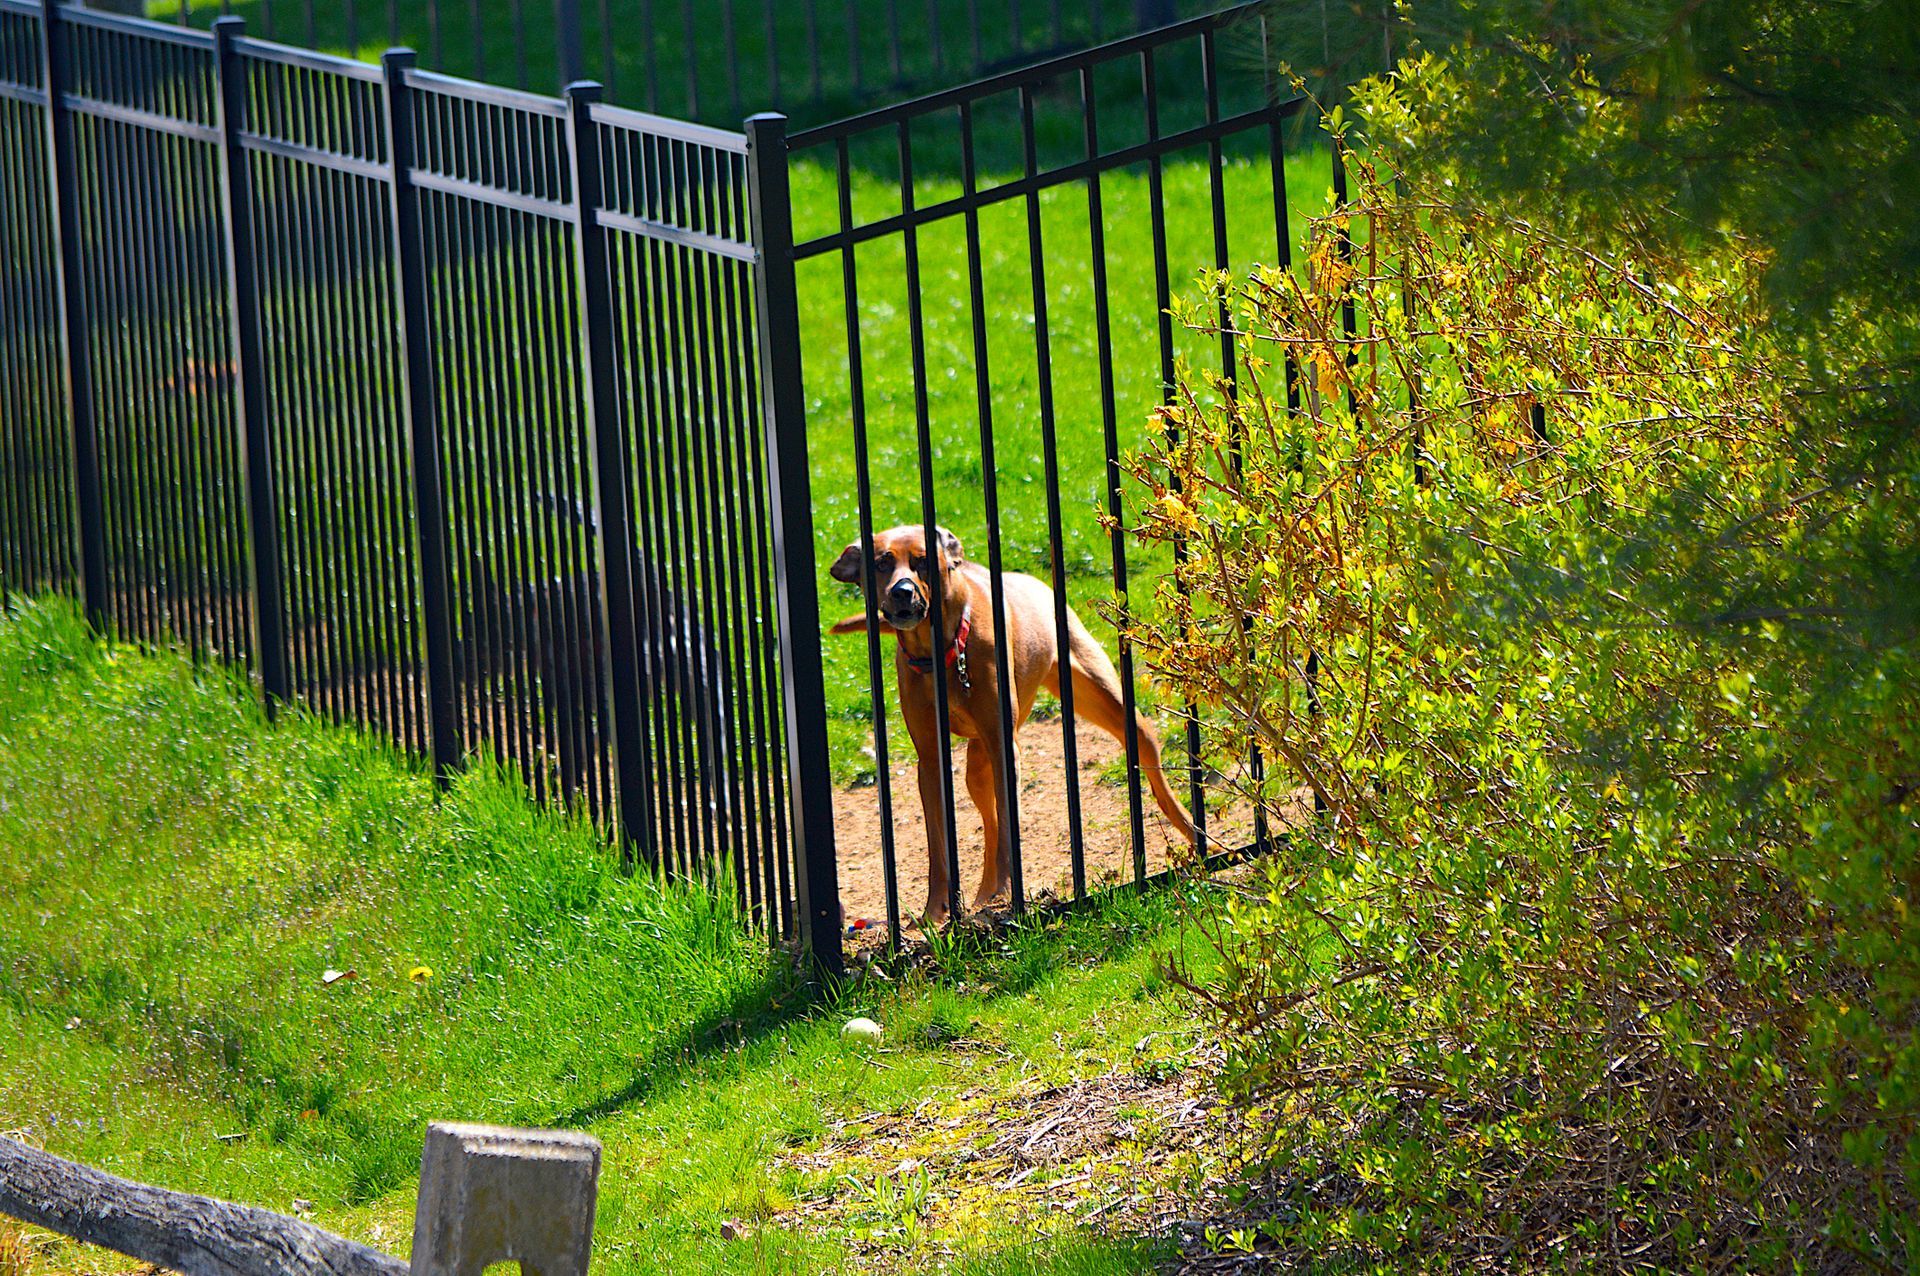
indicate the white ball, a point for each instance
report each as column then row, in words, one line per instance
column 862, row 1029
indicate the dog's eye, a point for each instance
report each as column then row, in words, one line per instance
column 883, row 562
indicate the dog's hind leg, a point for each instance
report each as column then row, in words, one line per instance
column 1096, row 697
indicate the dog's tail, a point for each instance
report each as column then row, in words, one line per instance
column 1107, row 710
column 854, row 624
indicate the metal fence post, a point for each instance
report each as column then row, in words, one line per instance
column 243, row 327
column 784, row 423
column 70, row 291
column 610, row 469
column 422, row 413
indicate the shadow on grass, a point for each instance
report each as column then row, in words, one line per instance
column 999, row 958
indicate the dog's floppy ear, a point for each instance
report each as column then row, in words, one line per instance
column 847, row 566
column 950, row 544
column 854, row 624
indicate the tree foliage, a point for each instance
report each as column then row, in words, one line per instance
column 1574, row 598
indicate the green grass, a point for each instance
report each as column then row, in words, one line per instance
column 180, row 874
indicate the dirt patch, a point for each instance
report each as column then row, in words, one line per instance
column 1103, row 1152
column 1046, row 848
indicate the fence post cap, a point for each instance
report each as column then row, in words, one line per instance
column 585, row 90
column 231, row 24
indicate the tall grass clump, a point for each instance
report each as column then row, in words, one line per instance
column 288, row 926
column 1601, row 952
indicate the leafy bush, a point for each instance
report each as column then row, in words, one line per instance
column 1600, row 950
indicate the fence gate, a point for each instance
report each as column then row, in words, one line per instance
column 463, row 414
column 1003, row 261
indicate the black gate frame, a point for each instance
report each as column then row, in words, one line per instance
column 896, row 122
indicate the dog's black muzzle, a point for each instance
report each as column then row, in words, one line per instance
column 903, row 607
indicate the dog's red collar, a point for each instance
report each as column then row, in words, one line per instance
column 956, row 654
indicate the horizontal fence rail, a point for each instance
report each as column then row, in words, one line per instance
column 972, row 284
column 440, row 406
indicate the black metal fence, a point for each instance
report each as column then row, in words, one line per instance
column 480, row 418
column 443, row 407
column 938, row 448
column 709, row 60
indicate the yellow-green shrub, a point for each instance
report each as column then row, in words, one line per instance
column 1600, row 952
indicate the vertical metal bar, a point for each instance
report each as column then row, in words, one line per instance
column 430, row 519
column 930, row 520
column 722, row 702
column 1050, row 449
column 696, row 351
column 72, row 314
column 657, row 352
column 785, row 426
column 681, row 402
column 607, row 471
column 354, row 556
column 1008, row 780
column 1229, row 377
column 770, row 788
column 1283, row 257
column 243, row 325
column 1103, row 333
column 722, row 790
column 863, row 488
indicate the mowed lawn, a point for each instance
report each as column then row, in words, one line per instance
column 180, row 878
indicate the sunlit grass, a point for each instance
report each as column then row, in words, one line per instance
column 181, row 876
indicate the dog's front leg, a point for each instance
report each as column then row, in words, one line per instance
column 986, row 782
column 916, row 706
column 938, row 880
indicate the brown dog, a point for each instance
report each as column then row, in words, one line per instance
column 969, row 649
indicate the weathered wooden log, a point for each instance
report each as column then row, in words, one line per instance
column 197, row 1235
